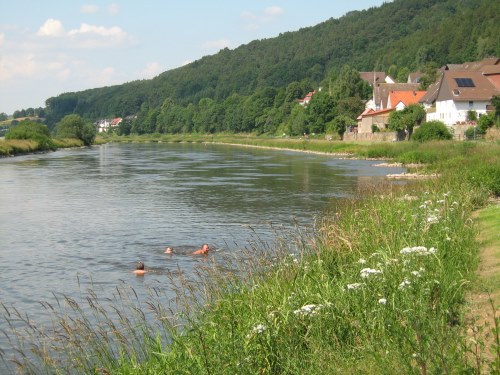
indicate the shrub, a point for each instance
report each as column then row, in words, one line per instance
column 473, row 132
column 486, row 121
column 431, row 131
column 32, row 131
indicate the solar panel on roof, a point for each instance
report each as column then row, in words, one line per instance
column 465, row 82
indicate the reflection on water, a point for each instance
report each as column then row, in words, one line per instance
column 75, row 218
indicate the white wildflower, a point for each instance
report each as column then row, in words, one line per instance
column 354, row 286
column 366, row 272
column 382, row 301
column 362, row 261
column 259, row 328
column 405, row 283
column 432, row 219
column 440, row 201
column 308, row 310
column 256, row 330
column 415, row 273
column 418, row 250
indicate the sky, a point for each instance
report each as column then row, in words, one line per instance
column 54, row 46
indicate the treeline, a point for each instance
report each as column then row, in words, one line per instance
column 250, row 88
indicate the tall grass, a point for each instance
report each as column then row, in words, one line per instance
column 377, row 286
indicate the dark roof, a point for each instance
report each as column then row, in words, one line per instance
column 371, row 77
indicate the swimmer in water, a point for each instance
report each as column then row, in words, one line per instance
column 203, row 250
column 139, row 269
column 169, row 250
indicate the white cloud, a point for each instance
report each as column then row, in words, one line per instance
column 20, row 66
column 152, row 70
column 2, row 38
column 113, row 9
column 85, row 28
column 51, row 27
column 89, row 9
column 254, row 21
column 92, row 36
column 273, row 11
column 216, row 44
column 106, row 76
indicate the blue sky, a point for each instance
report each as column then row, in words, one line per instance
column 55, row 46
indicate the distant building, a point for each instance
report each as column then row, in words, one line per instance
column 306, row 99
column 461, row 88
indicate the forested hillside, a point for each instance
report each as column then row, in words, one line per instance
column 254, row 87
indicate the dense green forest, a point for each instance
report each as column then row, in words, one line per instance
column 254, row 87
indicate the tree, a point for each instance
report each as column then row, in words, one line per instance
column 321, row 109
column 339, row 125
column 432, row 130
column 349, row 84
column 72, row 126
column 406, row 119
column 33, row 131
column 3, row 116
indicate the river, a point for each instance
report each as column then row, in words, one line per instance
column 85, row 216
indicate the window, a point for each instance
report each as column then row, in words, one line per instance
column 465, row 82
column 471, row 104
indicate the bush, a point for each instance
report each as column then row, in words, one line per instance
column 432, row 131
column 473, row 132
column 486, row 121
column 32, row 131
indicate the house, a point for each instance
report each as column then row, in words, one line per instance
column 402, row 99
column 373, row 78
column 396, row 101
column 461, row 88
column 104, row 125
column 414, row 77
column 305, row 101
column 371, row 117
column 382, row 91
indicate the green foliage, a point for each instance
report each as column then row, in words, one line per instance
column 496, row 102
column 486, row 121
column 339, row 125
column 410, row 35
column 474, row 132
column 406, row 119
column 72, row 126
column 432, row 131
column 471, row 115
column 348, row 84
column 33, row 131
column 320, row 111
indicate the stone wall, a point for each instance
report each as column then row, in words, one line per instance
column 379, row 136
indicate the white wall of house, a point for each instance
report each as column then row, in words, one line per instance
column 451, row 112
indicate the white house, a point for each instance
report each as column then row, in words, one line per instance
column 460, row 89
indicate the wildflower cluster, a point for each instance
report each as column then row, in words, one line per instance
column 309, row 310
column 418, row 250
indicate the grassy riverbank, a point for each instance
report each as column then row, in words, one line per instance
column 14, row 147
column 379, row 286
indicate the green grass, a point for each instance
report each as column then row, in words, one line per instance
column 378, row 286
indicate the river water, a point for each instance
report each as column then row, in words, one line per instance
column 87, row 215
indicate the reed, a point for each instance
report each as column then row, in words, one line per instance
column 377, row 286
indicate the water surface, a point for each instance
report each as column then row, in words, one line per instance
column 75, row 216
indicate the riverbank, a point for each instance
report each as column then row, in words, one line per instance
column 380, row 283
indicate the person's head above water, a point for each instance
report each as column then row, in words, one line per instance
column 169, row 250
column 203, row 250
column 139, row 268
